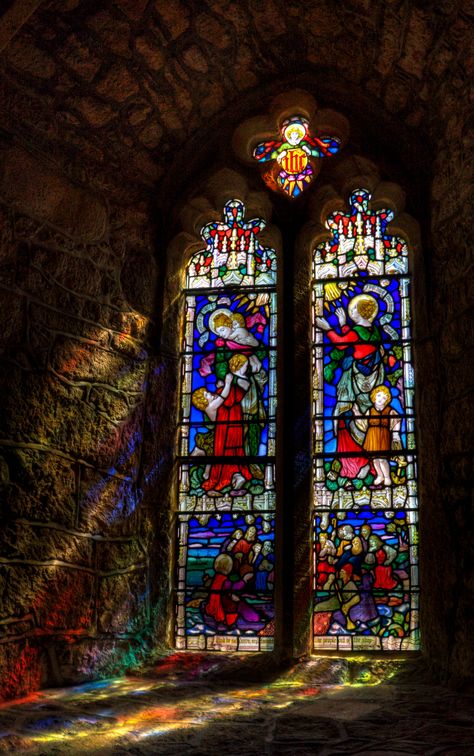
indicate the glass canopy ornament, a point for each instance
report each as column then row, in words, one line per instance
column 226, row 470
column 295, row 157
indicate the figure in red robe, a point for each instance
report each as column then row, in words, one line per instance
column 362, row 368
column 225, row 409
column 229, row 442
column 225, row 603
column 221, row 606
column 383, row 572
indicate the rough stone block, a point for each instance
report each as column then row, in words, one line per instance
column 78, row 56
column 455, row 436
column 117, row 84
column 80, row 361
column 119, row 555
column 139, row 112
column 95, row 111
column 457, row 336
column 211, row 30
column 28, row 542
column 134, row 226
column 397, row 92
column 100, row 658
column 12, row 262
column 112, row 32
column 14, row 627
column 453, row 297
column 54, row 415
column 13, row 320
column 42, row 487
column 35, row 189
column 22, row 669
column 139, row 278
column 175, row 16
column 390, row 42
column 73, row 272
column 150, row 135
column 450, row 208
column 24, row 55
column 244, row 77
column 419, row 36
column 122, row 602
column 151, row 51
column 458, row 467
column 49, row 321
column 194, row 59
column 61, row 599
column 109, row 403
column 107, row 504
column 134, row 9
column 79, row 659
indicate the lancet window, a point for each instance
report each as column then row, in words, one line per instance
column 364, row 443
column 226, row 481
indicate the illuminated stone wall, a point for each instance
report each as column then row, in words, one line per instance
column 78, row 281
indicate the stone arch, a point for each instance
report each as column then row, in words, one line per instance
column 402, row 154
column 347, row 170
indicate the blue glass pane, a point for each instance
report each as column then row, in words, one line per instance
column 229, row 573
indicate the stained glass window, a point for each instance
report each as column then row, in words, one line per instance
column 226, row 485
column 294, row 159
column 365, row 494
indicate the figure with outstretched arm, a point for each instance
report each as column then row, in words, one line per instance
column 358, row 353
column 209, row 402
column 225, row 408
column 362, row 344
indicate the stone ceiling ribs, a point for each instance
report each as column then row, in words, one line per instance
column 120, row 87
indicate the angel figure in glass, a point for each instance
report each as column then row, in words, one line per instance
column 296, row 155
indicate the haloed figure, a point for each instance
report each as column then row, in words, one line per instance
column 362, row 369
column 232, row 336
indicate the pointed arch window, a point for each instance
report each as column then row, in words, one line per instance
column 226, row 479
column 364, row 448
column 363, row 504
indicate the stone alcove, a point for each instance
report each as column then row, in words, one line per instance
column 293, row 470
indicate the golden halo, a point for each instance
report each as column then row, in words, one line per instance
column 363, row 299
column 219, row 311
column 295, row 126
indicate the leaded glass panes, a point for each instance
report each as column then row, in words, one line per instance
column 226, row 478
column 364, row 456
column 294, row 158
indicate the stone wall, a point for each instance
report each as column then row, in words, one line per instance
column 77, row 278
column 449, row 527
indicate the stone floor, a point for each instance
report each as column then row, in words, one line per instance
column 194, row 705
